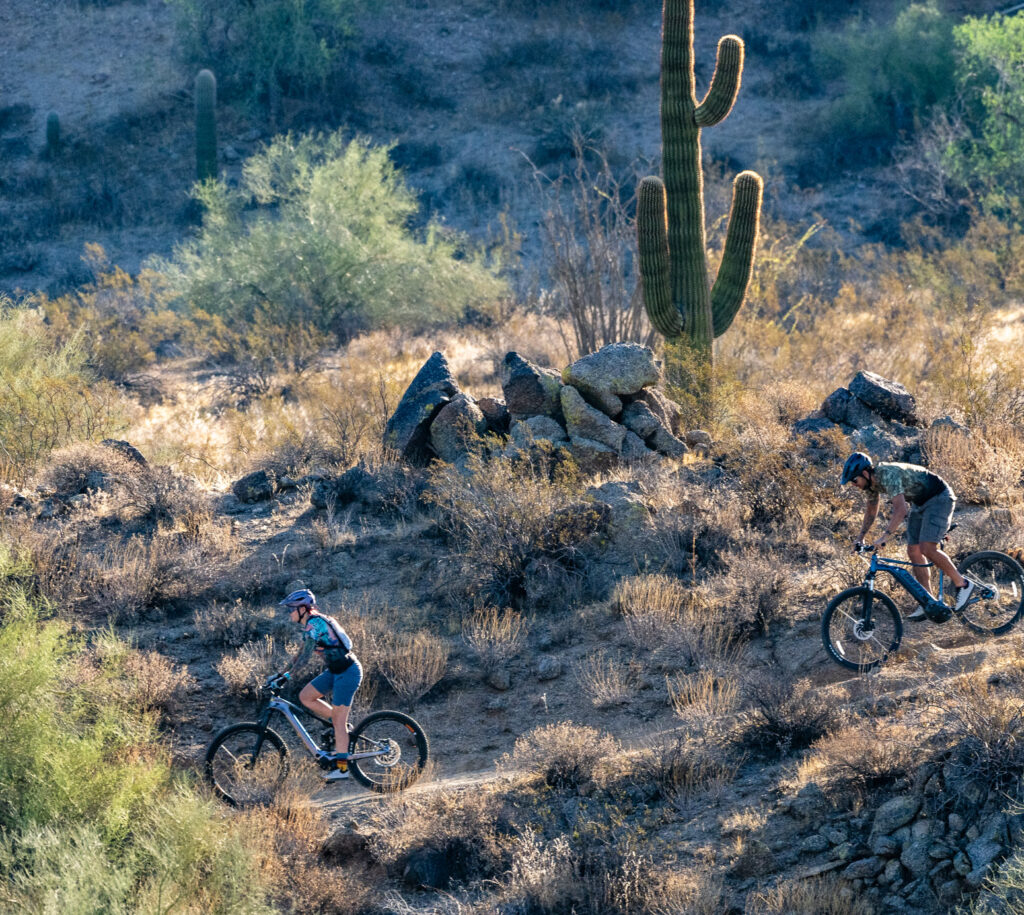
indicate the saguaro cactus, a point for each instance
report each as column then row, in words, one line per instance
column 206, row 125
column 670, row 214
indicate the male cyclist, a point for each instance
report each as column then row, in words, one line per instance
column 925, row 500
column 324, row 635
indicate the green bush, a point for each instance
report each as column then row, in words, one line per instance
column 266, row 49
column 48, row 396
column 327, row 250
column 891, row 74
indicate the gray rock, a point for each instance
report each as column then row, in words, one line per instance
column 893, row 871
column 876, row 442
column 664, row 442
column 614, row 370
column 593, row 457
column 549, row 668
column 977, row 877
column 427, row 867
column 835, row 835
column 915, row 858
column 496, row 414
column 525, row 431
column 640, row 418
column 859, row 414
column 949, row 892
column 956, row 823
column 255, row 486
column 629, row 511
column 983, row 852
column 814, row 844
column 833, row 407
column 962, row 864
column 812, row 425
column 895, row 813
column 950, row 424
column 499, row 679
column 888, row 398
column 457, row 424
column 408, row 429
column 666, row 409
column 698, row 437
column 886, row 846
column 344, row 845
column 127, row 449
column 809, row 803
column 529, row 390
column 864, row 869
column 635, row 451
column 585, row 422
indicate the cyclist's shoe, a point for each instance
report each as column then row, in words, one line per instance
column 964, row 594
column 917, row 615
column 327, row 760
column 337, row 775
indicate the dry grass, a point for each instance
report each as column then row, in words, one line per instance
column 687, row 769
column 412, row 664
column 494, row 635
column 230, row 624
column 565, row 755
column 985, row 466
column 822, row 896
column 702, row 699
column 247, row 669
column 606, row 681
column 651, row 607
column 68, row 470
column 784, row 715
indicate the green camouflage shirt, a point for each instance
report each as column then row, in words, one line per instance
column 917, row 484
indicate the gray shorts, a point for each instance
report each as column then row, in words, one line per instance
column 929, row 523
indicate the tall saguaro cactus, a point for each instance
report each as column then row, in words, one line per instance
column 206, row 125
column 670, row 214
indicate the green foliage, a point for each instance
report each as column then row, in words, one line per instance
column 670, row 215
column 892, row 75
column 91, row 818
column 266, row 49
column 206, row 125
column 985, row 158
column 48, row 396
column 327, row 250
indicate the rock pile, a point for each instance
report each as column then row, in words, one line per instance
column 911, row 852
column 605, row 408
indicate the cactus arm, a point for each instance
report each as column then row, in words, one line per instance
column 652, row 244
column 730, row 287
column 725, row 84
column 206, row 125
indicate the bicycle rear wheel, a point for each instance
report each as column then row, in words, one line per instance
column 246, row 764
column 400, row 748
column 998, row 601
column 861, row 628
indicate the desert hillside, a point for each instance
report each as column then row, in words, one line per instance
column 398, row 353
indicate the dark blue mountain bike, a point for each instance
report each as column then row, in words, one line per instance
column 862, row 626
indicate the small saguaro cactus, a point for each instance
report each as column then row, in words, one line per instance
column 52, row 134
column 670, row 214
column 206, row 125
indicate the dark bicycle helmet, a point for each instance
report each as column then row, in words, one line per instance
column 855, row 465
column 301, row 598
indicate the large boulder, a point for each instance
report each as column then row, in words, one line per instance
column 615, row 370
column 454, row 428
column 629, row 509
column 585, row 422
column 255, row 486
column 408, row 430
column 638, row 417
column 666, row 409
column 496, row 414
column 593, row 457
column 887, row 398
column 529, row 390
column 526, row 431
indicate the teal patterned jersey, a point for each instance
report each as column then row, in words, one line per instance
column 916, row 483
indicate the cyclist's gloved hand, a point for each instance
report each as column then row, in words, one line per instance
column 858, row 546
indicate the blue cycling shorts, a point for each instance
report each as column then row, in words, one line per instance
column 340, row 687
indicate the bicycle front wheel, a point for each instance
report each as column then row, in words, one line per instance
column 399, row 748
column 998, row 600
column 246, row 764
column 861, row 628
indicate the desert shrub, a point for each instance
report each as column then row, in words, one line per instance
column 892, row 75
column 504, row 515
column 686, row 768
column 246, row 670
column 590, row 237
column 48, row 396
column 230, row 624
column 821, row 896
column 982, row 731
column 150, row 680
column 565, row 755
column 92, row 818
column 651, row 606
column 867, row 756
column 494, row 635
column 269, row 49
column 412, row 664
column 159, row 495
column 325, row 251
column 702, row 699
column 604, row 680
column 784, row 715
column 71, row 469
column 756, row 592
column 122, row 319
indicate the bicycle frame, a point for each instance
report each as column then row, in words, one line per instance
column 288, row 710
column 896, row 568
